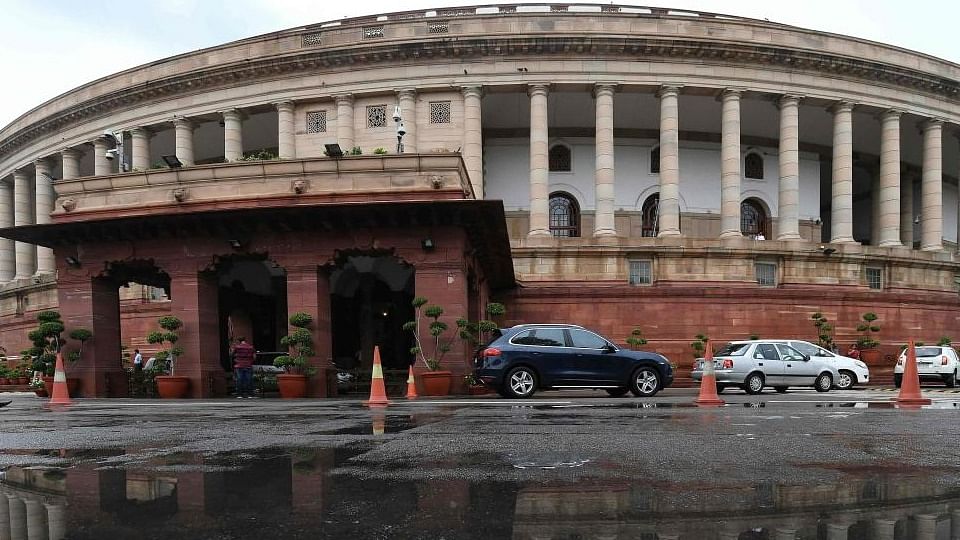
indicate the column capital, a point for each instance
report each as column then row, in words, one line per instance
column 183, row 122
column 931, row 123
column 731, row 93
column 42, row 163
column 20, row 171
column 141, row 132
column 789, row 100
column 605, row 88
column 406, row 93
column 343, row 99
column 890, row 115
column 538, row 89
column 669, row 90
column 285, row 106
column 71, row 153
column 232, row 114
column 841, row 107
column 101, row 139
column 472, row 90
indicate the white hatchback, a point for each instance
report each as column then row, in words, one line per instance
column 934, row 362
column 851, row 371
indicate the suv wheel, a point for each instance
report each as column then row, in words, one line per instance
column 645, row 382
column 521, row 382
column 951, row 380
column 823, row 382
column 846, row 380
column 754, row 384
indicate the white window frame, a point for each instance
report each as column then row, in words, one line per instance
column 880, row 280
column 630, row 274
column 774, row 269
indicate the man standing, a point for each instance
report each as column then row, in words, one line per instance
column 243, row 354
column 137, row 360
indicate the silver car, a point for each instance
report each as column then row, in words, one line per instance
column 753, row 365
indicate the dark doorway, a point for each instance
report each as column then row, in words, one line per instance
column 252, row 304
column 371, row 299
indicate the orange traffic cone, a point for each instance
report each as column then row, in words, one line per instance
column 910, row 386
column 379, row 422
column 411, row 385
column 708, row 384
column 378, row 392
column 60, row 395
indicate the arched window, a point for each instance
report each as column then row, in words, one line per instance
column 655, row 159
column 559, row 158
column 651, row 215
column 564, row 215
column 753, row 219
column 753, row 166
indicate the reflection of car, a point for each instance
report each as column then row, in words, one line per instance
column 936, row 363
column 754, row 364
column 263, row 363
column 849, row 370
column 531, row 357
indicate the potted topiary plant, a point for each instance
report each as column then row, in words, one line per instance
column 824, row 328
column 867, row 342
column 169, row 385
column 478, row 334
column 293, row 383
column 436, row 382
column 47, row 344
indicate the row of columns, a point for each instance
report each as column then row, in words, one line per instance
column 29, row 519
column 891, row 207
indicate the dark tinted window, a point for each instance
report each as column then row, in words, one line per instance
column 766, row 352
column 928, row 351
column 543, row 337
column 587, row 340
column 733, row 349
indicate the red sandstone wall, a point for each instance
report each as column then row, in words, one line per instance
column 670, row 317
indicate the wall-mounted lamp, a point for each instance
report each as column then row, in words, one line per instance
column 172, row 161
column 427, row 244
column 827, row 250
column 333, row 150
column 72, row 261
column 916, row 220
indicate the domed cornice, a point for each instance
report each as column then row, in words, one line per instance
column 312, row 56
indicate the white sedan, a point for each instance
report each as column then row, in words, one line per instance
column 851, row 371
column 934, row 362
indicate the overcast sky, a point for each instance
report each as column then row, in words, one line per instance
column 48, row 47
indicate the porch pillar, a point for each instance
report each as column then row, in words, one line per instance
column 193, row 298
column 444, row 284
column 93, row 303
column 308, row 291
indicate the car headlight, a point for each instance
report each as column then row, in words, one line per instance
column 860, row 364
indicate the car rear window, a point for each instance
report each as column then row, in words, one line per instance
column 733, row 349
column 926, row 352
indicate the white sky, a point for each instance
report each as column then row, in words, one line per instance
column 48, row 47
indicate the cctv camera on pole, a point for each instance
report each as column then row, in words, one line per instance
column 117, row 151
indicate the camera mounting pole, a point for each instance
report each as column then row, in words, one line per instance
column 401, row 131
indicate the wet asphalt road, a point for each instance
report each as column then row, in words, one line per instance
column 570, row 465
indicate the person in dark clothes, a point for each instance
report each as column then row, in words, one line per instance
column 243, row 354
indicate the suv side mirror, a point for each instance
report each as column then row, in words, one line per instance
column 608, row 348
column 806, row 358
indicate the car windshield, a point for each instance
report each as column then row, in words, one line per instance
column 733, row 349
column 926, row 352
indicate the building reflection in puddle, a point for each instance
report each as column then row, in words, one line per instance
column 297, row 492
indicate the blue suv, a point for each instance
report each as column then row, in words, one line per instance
column 531, row 357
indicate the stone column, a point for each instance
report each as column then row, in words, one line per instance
column 232, row 135
column 70, row 163
column 473, row 138
column 45, row 197
column 345, row 122
column 890, row 179
column 56, row 521
column 407, row 99
column 931, row 203
column 286, row 132
column 101, row 165
column 884, row 529
column 8, row 258
column 183, row 129
column 788, row 198
column 841, row 207
column 94, row 303
column 18, row 518
column 140, row 148
column 669, row 161
column 23, row 215
column 730, row 173
column 308, row 291
column 906, row 209
column 193, row 298
column 604, row 223
column 539, row 162
column 926, row 526
column 36, row 520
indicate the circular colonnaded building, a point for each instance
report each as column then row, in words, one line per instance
column 681, row 172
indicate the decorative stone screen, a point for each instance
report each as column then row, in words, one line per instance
column 376, row 116
column 372, row 32
column 439, row 112
column 316, row 121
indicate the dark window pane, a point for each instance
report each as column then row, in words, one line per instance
column 651, row 215
column 559, row 158
column 587, row 340
column 564, row 216
column 753, row 166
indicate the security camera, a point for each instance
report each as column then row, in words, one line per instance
column 110, row 154
column 401, row 131
column 396, row 114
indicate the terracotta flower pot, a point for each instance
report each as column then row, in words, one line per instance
column 436, row 383
column 477, row 390
column 4, row 381
column 47, row 384
column 40, row 392
column 292, row 386
column 172, row 386
column 23, row 380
